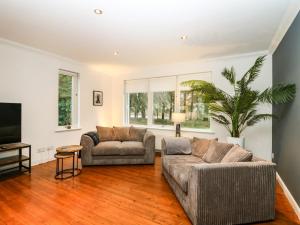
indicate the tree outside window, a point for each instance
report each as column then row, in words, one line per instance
column 163, row 107
column 65, row 100
column 138, row 105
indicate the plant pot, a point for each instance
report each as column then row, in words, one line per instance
column 236, row 141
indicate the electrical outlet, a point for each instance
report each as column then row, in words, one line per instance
column 50, row 148
column 273, row 155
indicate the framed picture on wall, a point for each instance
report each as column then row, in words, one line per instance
column 98, row 98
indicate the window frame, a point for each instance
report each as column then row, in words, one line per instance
column 75, row 110
column 150, row 124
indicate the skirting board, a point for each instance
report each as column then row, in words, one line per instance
column 288, row 195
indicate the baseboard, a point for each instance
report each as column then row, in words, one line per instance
column 288, row 195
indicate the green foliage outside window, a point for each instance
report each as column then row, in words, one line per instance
column 65, row 100
column 163, row 107
column 196, row 111
column 138, row 104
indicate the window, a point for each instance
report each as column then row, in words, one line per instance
column 196, row 112
column 68, row 99
column 138, row 106
column 152, row 101
column 163, row 107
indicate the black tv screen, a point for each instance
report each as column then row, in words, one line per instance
column 10, row 122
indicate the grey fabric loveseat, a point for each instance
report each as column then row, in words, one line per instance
column 223, row 192
column 118, row 146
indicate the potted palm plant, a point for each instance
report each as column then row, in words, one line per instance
column 238, row 111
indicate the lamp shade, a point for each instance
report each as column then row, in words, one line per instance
column 178, row 117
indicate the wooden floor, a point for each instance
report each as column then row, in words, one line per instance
column 136, row 195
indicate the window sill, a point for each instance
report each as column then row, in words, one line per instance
column 63, row 129
column 172, row 128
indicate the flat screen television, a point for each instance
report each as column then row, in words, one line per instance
column 10, row 122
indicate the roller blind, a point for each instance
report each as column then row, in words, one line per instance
column 162, row 84
column 136, row 86
column 206, row 76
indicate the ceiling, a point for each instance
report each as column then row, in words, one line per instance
column 144, row 32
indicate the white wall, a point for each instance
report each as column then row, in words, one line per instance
column 30, row 77
column 258, row 138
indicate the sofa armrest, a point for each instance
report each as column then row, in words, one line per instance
column 233, row 192
column 87, row 144
column 149, row 144
column 163, row 150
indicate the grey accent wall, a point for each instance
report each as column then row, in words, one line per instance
column 286, row 130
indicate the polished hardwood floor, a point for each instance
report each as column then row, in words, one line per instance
column 131, row 195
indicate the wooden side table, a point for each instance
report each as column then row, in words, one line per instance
column 70, row 151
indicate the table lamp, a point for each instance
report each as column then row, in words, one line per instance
column 178, row 118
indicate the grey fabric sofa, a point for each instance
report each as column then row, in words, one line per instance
column 118, row 146
column 221, row 193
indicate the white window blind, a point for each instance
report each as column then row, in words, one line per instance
column 205, row 76
column 162, row 84
column 136, row 86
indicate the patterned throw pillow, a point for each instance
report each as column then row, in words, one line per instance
column 216, row 151
column 237, row 154
column 200, row 146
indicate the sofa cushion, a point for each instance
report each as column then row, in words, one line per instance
column 137, row 134
column 105, row 133
column 121, row 133
column 216, row 151
column 237, row 154
column 200, row 146
column 107, row 148
column 132, row 148
column 177, row 146
column 119, row 148
column 180, row 173
column 169, row 160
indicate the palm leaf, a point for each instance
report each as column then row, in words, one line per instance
column 221, row 118
column 278, row 94
column 229, row 75
column 251, row 74
column 257, row 118
column 208, row 90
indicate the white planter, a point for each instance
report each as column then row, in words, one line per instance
column 236, row 141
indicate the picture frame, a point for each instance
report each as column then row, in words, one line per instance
column 98, row 98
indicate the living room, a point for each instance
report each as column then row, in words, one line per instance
column 125, row 67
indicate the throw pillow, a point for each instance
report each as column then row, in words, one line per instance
column 216, row 151
column 105, row 133
column 137, row 134
column 237, row 154
column 200, row 146
column 121, row 133
column 177, row 146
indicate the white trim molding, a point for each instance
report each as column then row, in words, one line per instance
column 288, row 195
column 284, row 25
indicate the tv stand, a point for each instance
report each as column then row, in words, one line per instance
column 15, row 159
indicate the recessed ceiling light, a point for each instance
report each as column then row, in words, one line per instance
column 116, row 53
column 183, row 37
column 98, row 11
